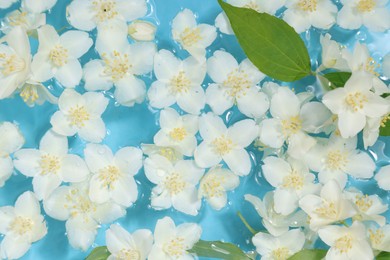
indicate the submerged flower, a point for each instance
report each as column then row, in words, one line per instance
column 15, row 61
column 346, row 242
column 50, row 165
column 331, row 54
column 302, row 14
column 38, row 6
column 113, row 174
column 168, row 152
column 34, row 92
column 337, row 158
column 142, row 30
column 57, row 56
column 177, row 131
column 292, row 181
column 193, row 37
column 279, row 247
column 83, row 217
column 21, row 226
column 172, row 242
column 227, row 144
column 383, row 177
column 6, row 3
column 370, row 13
column 177, row 82
column 330, row 207
column 292, row 121
column 120, row 66
column 215, row 183
column 235, row 84
column 23, row 18
column 80, row 114
column 175, row 184
column 354, row 103
column 379, row 237
column 11, row 140
column 123, row 245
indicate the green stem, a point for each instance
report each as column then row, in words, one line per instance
column 246, row 223
column 344, row 223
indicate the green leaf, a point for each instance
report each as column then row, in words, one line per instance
column 337, row 79
column 385, row 95
column 270, row 43
column 385, row 130
column 99, row 253
column 309, row 254
column 383, row 256
column 218, row 249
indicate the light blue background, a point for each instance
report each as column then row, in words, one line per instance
column 132, row 126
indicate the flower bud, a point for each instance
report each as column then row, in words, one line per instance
column 142, row 31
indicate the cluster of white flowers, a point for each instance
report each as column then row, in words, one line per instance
column 309, row 146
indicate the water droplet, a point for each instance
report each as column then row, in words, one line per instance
column 361, row 36
column 310, row 88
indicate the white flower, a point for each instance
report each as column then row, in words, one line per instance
column 192, row 37
column 354, row 103
column 279, row 247
column 215, row 183
column 57, row 56
column 87, row 14
column 379, row 237
column 50, row 165
column 142, row 30
column 331, row 54
column 113, row 174
column 235, row 83
column 11, row 140
column 177, row 82
column 292, row 121
column 80, row 114
column 177, row 131
column 346, row 242
column 175, row 184
column 123, row 245
column 34, row 92
column 386, row 65
column 6, row 3
column 276, row 224
column 337, row 158
column 369, row 207
column 23, row 18
column 223, row 24
column 302, row 14
column 369, row 13
column 167, row 152
column 328, row 208
column 38, row 6
column 372, row 128
column 21, row 226
column 227, row 144
column 172, row 242
column 15, row 61
column 82, row 216
column 292, row 181
column 120, row 66
column 383, row 177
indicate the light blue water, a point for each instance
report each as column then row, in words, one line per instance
column 132, row 126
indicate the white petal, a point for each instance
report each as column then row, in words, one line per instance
column 383, row 177
column 54, row 144
column 44, row 185
column 48, row 37
column 125, row 191
column 205, row 157
column 55, row 205
column 184, row 19
column 220, row 65
column 13, row 247
column 73, row 169
column 271, row 133
column 192, row 101
column 254, row 103
column 223, row 24
column 76, row 42
column 27, row 162
column 360, row 165
column 218, row 99
column 165, row 227
column 81, row 233
column 373, row 21
column 39, row 6
column 41, row 67
column 94, row 130
column 94, row 76
column 187, row 201
column 238, row 161
column 6, row 169
column 284, row 104
column 95, row 103
column 130, row 90
column 211, row 127
column 142, row 54
column 27, row 205
column 132, row 9
column 11, row 138
column 80, row 15
column 61, row 124
column 243, row 132
column 275, row 169
column 70, row 74
column 98, row 156
column 189, row 171
column 7, row 215
column 166, row 65
column 350, row 123
column 129, row 160
column 286, row 202
column 313, row 116
column 98, row 192
column 112, row 36
column 117, row 238
column 156, row 167
column 160, row 96
column 349, row 19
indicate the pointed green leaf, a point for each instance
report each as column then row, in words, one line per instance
column 383, row 256
column 99, row 253
column 337, row 79
column 309, row 254
column 219, row 250
column 270, row 43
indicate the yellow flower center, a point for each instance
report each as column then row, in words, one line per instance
column 363, row 202
column 281, row 253
column 370, row 66
column 252, row 5
column 58, row 56
column 178, row 134
column 10, row 64
column 78, row 115
column 291, row 126
column 128, row 254
column 29, row 93
column 78, row 203
column 344, row 244
column 49, row 164
column 175, row 247
column 180, row 83
column 168, row 153
column 21, row 225
column 117, row 66
column 376, row 237
column 293, row 181
column 17, row 18
column 384, row 120
column 104, row 9
column 189, row 37
column 336, row 160
column 308, row 5
column 108, row 175
column 174, row 183
column 211, row 186
column 327, row 210
column 366, row 5
column 237, row 83
column 222, row 145
column 355, row 101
